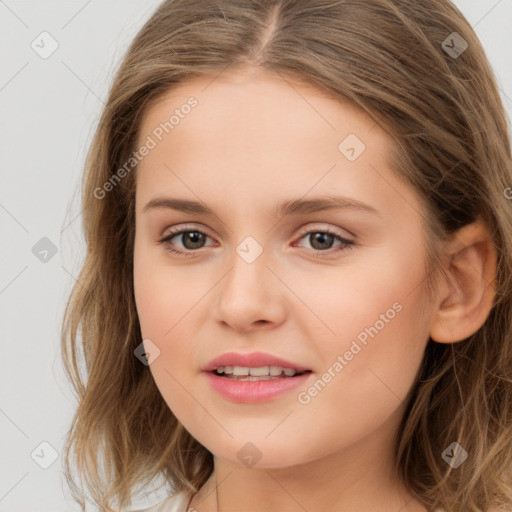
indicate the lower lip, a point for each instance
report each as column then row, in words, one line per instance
column 254, row 391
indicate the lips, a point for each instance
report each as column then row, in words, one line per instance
column 251, row 360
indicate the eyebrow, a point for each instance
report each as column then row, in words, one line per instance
column 290, row 207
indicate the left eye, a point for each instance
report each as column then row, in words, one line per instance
column 320, row 240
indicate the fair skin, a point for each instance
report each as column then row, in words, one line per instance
column 253, row 142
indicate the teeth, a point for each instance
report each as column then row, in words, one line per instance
column 240, row 370
column 262, row 371
column 275, row 370
column 259, row 372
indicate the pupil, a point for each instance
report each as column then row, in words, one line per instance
column 321, row 237
column 195, row 237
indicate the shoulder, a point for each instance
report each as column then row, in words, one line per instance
column 174, row 503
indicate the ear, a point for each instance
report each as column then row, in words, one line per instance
column 467, row 287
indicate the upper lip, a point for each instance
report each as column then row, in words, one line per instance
column 250, row 360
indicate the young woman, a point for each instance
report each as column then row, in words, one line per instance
column 297, row 293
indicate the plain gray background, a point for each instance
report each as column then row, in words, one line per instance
column 49, row 109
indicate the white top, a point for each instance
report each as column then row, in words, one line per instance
column 174, row 503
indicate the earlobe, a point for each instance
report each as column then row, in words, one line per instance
column 467, row 288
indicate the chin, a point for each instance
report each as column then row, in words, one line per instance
column 264, row 454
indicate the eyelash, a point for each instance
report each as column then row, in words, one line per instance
column 345, row 244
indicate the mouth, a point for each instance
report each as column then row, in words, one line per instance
column 261, row 373
column 253, row 384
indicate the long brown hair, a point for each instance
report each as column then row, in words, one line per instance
column 440, row 103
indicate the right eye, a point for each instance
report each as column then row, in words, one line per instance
column 191, row 240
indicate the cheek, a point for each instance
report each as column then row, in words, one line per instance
column 168, row 301
column 377, row 312
column 164, row 293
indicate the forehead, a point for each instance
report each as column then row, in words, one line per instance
column 251, row 134
column 262, row 103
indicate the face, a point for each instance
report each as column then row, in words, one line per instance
column 337, row 291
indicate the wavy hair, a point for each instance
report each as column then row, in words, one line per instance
column 452, row 145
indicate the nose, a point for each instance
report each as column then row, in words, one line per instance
column 250, row 296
